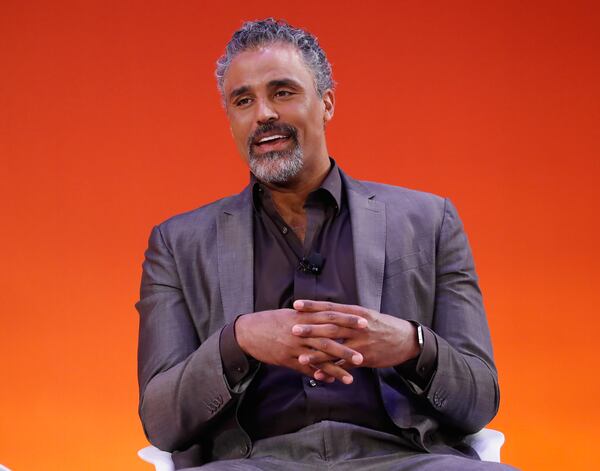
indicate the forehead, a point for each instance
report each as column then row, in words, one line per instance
column 259, row 66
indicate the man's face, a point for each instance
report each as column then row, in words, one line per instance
column 277, row 117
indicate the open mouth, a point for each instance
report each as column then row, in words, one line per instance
column 272, row 137
column 270, row 140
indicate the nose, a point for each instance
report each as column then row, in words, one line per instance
column 265, row 112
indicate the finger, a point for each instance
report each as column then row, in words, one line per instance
column 322, row 375
column 341, row 319
column 330, row 331
column 307, row 305
column 332, row 349
column 316, row 358
column 332, row 370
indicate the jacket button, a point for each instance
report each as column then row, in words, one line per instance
column 312, row 383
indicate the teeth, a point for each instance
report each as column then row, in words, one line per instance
column 271, row 138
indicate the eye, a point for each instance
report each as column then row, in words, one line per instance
column 283, row 93
column 242, row 101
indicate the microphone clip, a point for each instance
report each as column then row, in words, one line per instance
column 312, row 264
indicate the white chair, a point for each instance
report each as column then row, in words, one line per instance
column 160, row 459
column 486, row 443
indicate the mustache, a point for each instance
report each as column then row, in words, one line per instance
column 282, row 128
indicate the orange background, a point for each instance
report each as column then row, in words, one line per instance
column 110, row 122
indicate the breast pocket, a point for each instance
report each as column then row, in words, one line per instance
column 406, row 262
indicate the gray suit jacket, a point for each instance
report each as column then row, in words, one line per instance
column 412, row 260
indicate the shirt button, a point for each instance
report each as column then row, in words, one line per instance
column 284, row 230
column 312, row 383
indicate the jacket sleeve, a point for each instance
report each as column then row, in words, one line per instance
column 463, row 390
column 182, row 386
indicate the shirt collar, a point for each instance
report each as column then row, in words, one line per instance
column 331, row 186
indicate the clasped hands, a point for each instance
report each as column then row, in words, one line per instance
column 326, row 340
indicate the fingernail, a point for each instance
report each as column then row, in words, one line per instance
column 298, row 304
column 362, row 322
column 296, row 329
column 347, row 379
column 303, row 359
column 319, row 375
column 357, row 359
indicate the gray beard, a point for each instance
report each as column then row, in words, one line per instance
column 277, row 166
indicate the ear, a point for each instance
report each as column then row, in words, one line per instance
column 328, row 105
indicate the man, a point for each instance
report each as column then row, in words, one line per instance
column 312, row 320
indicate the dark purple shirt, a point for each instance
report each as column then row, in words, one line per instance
column 280, row 400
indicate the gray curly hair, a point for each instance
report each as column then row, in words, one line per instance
column 253, row 34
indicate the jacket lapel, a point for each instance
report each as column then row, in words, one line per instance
column 236, row 256
column 368, row 236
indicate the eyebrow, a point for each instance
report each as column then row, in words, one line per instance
column 284, row 82
column 239, row 91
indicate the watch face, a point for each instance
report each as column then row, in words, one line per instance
column 420, row 336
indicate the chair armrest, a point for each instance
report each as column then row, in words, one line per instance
column 487, row 444
column 160, row 459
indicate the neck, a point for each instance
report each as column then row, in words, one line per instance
column 292, row 196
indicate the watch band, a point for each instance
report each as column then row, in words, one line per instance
column 420, row 337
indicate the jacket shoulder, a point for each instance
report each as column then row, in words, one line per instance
column 406, row 199
column 200, row 220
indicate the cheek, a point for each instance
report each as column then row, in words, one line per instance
column 238, row 135
column 315, row 127
column 240, row 143
column 239, row 132
column 239, row 140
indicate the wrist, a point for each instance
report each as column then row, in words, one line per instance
column 415, row 340
column 239, row 331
